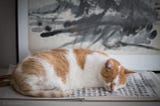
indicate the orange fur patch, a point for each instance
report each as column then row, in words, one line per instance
column 19, row 81
column 57, row 58
column 81, row 56
column 109, row 74
column 33, row 66
column 53, row 94
column 122, row 77
column 103, row 53
column 106, row 75
column 30, row 66
column 40, row 94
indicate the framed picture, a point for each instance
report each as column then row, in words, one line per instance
column 128, row 30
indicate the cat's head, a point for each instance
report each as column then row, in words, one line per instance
column 114, row 75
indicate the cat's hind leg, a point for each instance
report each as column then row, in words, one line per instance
column 43, row 92
column 39, row 90
column 47, row 93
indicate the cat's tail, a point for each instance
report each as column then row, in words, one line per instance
column 45, row 93
column 5, row 80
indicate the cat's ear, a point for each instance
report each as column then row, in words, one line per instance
column 128, row 72
column 109, row 64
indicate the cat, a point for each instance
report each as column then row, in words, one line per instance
column 56, row 72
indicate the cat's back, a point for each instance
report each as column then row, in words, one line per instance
column 61, row 61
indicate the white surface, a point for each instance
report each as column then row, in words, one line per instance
column 140, row 62
column 22, row 29
column 134, row 62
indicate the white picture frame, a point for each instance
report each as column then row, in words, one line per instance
column 133, row 62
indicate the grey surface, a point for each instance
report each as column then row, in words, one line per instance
column 75, row 103
column 7, row 32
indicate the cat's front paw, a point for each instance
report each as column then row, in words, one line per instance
column 67, row 93
column 110, row 87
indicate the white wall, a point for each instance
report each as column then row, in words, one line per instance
column 134, row 62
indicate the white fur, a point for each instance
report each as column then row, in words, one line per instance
column 119, row 67
column 51, row 80
column 90, row 76
column 116, row 82
column 75, row 73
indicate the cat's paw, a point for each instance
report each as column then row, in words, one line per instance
column 67, row 93
column 112, row 87
column 109, row 87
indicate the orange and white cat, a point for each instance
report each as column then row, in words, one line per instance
column 54, row 73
